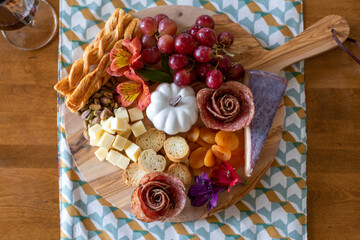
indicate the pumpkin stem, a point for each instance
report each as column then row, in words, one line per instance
column 175, row 100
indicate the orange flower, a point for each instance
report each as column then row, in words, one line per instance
column 136, row 89
column 126, row 58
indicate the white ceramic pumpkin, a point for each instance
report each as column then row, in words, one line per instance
column 173, row 109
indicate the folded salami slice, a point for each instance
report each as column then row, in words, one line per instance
column 158, row 196
column 228, row 108
column 268, row 90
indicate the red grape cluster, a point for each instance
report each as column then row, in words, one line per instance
column 196, row 53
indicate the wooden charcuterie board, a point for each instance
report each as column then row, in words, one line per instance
column 106, row 179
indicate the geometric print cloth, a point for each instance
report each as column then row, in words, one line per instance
column 275, row 209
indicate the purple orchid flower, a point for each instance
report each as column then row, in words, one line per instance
column 204, row 191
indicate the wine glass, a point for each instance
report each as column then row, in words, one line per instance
column 27, row 24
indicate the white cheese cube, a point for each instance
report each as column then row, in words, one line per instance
column 106, row 125
column 119, row 124
column 126, row 134
column 106, row 140
column 138, row 128
column 101, row 154
column 94, row 141
column 121, row 113
column 135, row 114
column 123, row 162
column 133, row 151
column 120, row 143
column 96, row 131
column 113, row 157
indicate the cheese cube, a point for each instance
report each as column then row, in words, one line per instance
column 133, row 151
column 123, row 162
column 121, row 113
column 126, row 134
column 135, row 114
column 119, row 124
column 138, row 128
column 120, row 143
column 94, row 141
column 106, row 125
column 106, row 140
column 101, row 154
column 96, row 131
column 113, row 157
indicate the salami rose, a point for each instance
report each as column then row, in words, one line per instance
column 228, row 108
column 158, row 196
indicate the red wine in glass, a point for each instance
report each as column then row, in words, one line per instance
column 27, row 24
column 12, row 17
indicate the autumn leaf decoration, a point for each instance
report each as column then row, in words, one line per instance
column 135, row 89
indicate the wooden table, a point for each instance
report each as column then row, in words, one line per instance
column 29, row 206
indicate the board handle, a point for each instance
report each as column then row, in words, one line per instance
column 314, row 40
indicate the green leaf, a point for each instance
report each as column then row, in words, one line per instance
column 165, row 63
column 155, row 75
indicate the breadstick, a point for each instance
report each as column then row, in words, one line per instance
column 89, row 85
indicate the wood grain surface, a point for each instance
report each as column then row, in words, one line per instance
column 28, row 146
column 106, row 179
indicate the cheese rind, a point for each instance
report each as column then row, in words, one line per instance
column 121, row 113
column 133, row 151
column 119, row 124
column 101, row 154
column 106, row 125
column 135, row 114
column 138, row 128
column 106, row 140
column 119, row 143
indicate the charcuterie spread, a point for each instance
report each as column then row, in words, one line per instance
column 168, row 107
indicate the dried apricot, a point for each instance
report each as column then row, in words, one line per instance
column 227, row 139
column 241, row 138
column 208, row 135
column 199, row 171
column 210, row 159
column 196, row 159
column 221, row 152
column 193, row 134
column 237, row 157
column 193, row 146
column 203, row 143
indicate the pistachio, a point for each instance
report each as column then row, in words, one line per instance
column 85, row 114
column 96, row 101
column 90, row 116
column 86, row 135
column 109, row 84
column 116, row 105
column 112, row 104
column 109, row 112
column 97, row 95
column 97, row 113
column 105, row 101
column 108, row 94
column 95, row 120
column 103, row 115
column 95, row 106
